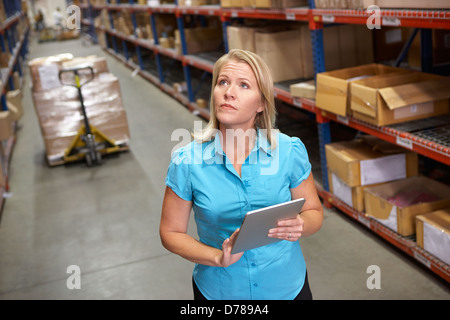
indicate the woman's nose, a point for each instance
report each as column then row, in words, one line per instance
column 230, row 92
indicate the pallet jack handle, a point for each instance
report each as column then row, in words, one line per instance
column 77, row 84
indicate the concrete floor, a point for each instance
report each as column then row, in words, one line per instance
column 105, row 219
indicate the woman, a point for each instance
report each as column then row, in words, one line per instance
column 238, row 163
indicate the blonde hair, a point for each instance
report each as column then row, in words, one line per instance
column 266, row 118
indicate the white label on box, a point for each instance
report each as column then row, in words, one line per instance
column 414, row 110
column 49, row 76
column 383, row 169
column 341, row 190
column 436, row 242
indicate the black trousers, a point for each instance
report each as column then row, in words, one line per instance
column 305, row 293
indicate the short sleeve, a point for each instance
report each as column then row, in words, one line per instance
column 178, row 175
column 300, row 167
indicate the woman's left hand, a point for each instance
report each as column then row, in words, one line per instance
column 289, row 229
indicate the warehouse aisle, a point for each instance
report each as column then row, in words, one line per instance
column 105, row 219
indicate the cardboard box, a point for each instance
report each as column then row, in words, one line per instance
column 370, row 161
column 388, row 42
column 241, row 38
column 14, row 101
column 353, row 196
column 280, row 3
column 287, row 53
column 2, row 177
column 396, row 204
column 200, row 39
column 6, row 125
column 396, row 98
column 333, row 87
column 303, row 89
column 441, row 49
column 433, row 233
column 410, row 4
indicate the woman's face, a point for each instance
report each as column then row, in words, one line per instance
column 237, row 98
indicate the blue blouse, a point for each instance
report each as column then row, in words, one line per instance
column 203, row 174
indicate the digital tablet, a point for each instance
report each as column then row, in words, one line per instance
column 257, row 223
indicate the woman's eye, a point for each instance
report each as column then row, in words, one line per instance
column 222, row 82
column 244, row 85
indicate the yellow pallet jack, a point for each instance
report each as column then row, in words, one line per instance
column 90, row 143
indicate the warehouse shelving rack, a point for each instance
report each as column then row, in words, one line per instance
column 16, row 44
column 418, row 139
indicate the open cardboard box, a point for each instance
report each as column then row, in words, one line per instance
column 433, row 233
column 380, row 202
column 333, row 87
column 395, row 98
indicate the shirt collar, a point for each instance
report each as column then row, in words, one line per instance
column 215, row 147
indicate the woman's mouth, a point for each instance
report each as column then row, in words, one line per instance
column 227, row 106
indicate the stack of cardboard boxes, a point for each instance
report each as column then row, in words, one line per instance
column 58, row 107
column 382, row 95
column 382, row 180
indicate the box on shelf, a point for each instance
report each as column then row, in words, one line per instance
column 279, row 4
column 5, row 57
column 200, row 39
column 395, row 98
column 370, row 161
column 409, row 4
column 433, row 233
column 389, row 42
column 241, row 38
column 353, row 196
column 333, row 87
column 14, row 101
column 396, row 204
column 2, row 177
column 305, row 89
column 347, row 46
column 6, row 125
column 441, row 49
column 288, row 53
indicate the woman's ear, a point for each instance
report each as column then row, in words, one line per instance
column 260, row 108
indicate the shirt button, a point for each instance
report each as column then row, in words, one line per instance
column 253, row 264
column 255, row 284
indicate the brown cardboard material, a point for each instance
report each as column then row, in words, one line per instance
column 333, row 87
column 433, row 233
column 14, row 100
column 395, row 98
column 6, row 125
column 303, row 89
column 2, row 177
column 360, row 162
column 200, row 39
column 411, row 4
column 402, row 218
column 58, row 107
column 241, row 38
column 286, row 64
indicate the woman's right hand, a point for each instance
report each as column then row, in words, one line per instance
column 227, row 259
